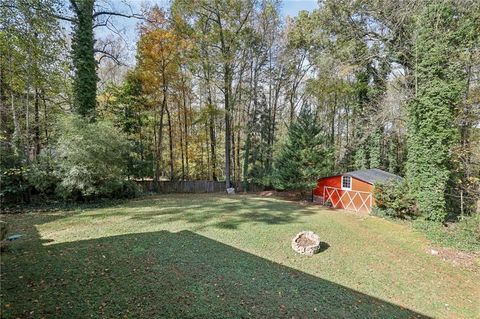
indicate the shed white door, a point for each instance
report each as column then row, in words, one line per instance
column 348, row 199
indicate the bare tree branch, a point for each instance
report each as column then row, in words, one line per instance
column 106, row 54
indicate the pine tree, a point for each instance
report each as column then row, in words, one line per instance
column 392, row 156
column 375, row 149
column 304, row 157
column 360, row 158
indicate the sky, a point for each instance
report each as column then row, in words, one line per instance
column 292, row 7
column 128, row 29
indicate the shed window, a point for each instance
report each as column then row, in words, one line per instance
column 346, row 182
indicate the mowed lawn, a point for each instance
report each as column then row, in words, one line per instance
column 216, row 256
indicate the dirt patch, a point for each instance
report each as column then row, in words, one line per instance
column 287, row 195
column 458, row 258
column 305, row 241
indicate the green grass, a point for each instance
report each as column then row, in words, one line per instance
column 213, row 256
column 462, row 235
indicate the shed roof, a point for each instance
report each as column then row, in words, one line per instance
column 373, row 175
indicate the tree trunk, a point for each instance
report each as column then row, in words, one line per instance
column 170, row 144
column 334, row 111
column 181, row 142
column 83, row 58
column 213, row 143
column 45, row 118
column 245, row 162
column 37, row 122
column 228, row 134
column 158, row 166
column 208, row 174
column 185, row 123
column 16, row 128
column 292, row 107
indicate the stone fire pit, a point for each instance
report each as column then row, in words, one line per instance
column 306, row 243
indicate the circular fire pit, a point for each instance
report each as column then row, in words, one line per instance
column 306, row 243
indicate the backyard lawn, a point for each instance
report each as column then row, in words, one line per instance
column 213, row 256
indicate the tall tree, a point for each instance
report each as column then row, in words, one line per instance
column 304, row 156
column 83, row 58
column 439, row 84
column 223, row 23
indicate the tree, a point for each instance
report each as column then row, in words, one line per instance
column 83, row 58
column 91, row 159
column 159, row 50
column 127, row 107
column 222, row 24
column 86, row 17
column 440, row 82
column 303, row 158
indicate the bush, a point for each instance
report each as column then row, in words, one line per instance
column 15, row 187
column 41, row 174
column 91, row 160
column 463, row 234
column 130, row 189
column 383, row 212
column 393, row 199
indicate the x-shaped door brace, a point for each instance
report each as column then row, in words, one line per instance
column 364, row 198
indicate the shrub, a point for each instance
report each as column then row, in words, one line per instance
column 41, row 174
column 393, row 199
column 15, row 187
column 383, row 212
column 130, row 189
column 91, row 159
column 463, row 234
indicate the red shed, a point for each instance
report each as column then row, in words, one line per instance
column 351, row 190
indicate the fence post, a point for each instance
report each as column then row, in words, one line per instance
column 461, row 204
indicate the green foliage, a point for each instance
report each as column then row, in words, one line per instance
column 375, row 150
column 14, row 185
column 258, row 147
column 463, row 235
column 392, row 157
column 393, row 199
column 130, row 189
column 431, row 133
column 303, row 158
column 126, row 108
column 85, row 79
column 360, row 158
column 41, row 174
column 91, row 159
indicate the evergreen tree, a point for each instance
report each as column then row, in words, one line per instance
column 360, row 158
column 392, row 156
column 439, row 84
column 375, row 149
column 303, row 158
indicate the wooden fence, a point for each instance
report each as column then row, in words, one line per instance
column 194, row 187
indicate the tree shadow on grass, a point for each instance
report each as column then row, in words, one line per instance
column 169, row 275
column 200, row 209
column 234, row 211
